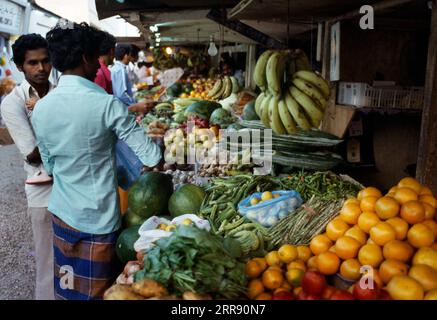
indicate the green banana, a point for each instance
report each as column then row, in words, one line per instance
column 217, row 87
column 310, row 90
column 185, row 102
column 235, row 86
column 274, row 76
column 264, row 110
column 258, row 102
column 274, row 118
column 228, row 87
column 286, row 118
column 310, row 107
column 314, row 79
column 259, row 75
column 296, row 112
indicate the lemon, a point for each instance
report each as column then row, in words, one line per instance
column 266, row 196
column 162, row 226
column 170, row 228
column 276, row 196
column 187, row 222
column 254, row 201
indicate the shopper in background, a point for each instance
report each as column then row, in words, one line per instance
column 31, row 56
column 107, row 49
column 77, row 126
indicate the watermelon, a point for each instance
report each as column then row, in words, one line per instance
column 249, row 111
column 150, row 194
column 187, row 199
column 131, row 219
column 175, row 90
column 202, row 109
column 221, row 117
column 124, row 248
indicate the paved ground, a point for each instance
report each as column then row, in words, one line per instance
column 17, row 264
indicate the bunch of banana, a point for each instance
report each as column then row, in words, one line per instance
column 223, row 88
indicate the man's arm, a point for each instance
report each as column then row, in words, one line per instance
column 119, row 87
column 124, row 126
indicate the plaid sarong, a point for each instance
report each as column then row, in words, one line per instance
column 85, row 264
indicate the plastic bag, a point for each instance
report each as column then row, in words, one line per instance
column 149, row 233
column 128, row 165
column 268, row 213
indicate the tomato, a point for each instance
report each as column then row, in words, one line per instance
column 328, row 292
column 342, row 295
column 366, row 293
column 302, row 295
column 313, row 283
column 312, row 297
column 283, row 295
column 384, row 295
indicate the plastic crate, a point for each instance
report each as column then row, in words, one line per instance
column 360, row 94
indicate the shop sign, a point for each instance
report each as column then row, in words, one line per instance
column 11, row 17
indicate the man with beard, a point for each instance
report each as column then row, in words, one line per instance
column 32, row 58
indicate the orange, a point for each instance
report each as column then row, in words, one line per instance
column 303, row 253
column 425, row 275
column 420, row 235
column 431, row 295
column 262, row 262
column 332, row 249
column 336, row 228
column 382, row 233
column 413, row 212
column 392, row 191
column 273, row 259
column 405, row 288
column 254, row 288
column 370, row 191
column 287, row 253
column 312, row 263
column 386, row 208
column 275, row 268
column 404, row 195
column 426, row 256
column 328, row 263
column 367, row 220
column 432, row 225
column 425, row 191
column 350, row 269
column 264, row 296
column 352, row 200
column 398, row 250
column 298, row 264
column 434, row 246
column 429, row 200
column 347, row 247
column 400, row 226
column 253, row 269
column 297, row 291
column 358, row 234
column 411, row 183
column 429, row 211
column 272, row 279
column 370, row 241
column 370, row 254
column 286, row 286
column 350, row 213
column 368, row 203
column 320, row 244
column 390, row 268
column 294, row 276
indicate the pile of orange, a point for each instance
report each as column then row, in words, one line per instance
column 395, row 234
column 280, row 270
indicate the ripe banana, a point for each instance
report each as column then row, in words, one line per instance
column 314, row 79
column 310, row 90
column 217, row 86
column 258, row 102
column 286, row 118
column 220, row 92
column 296, row 112
column 275, row 119
column 275, row 73
column 235, row 86
column 264, row 110
column 228, row 87
column 314, row 113
column 302, row 62
column 260, row 70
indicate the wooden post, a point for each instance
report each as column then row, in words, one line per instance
column 427, row 158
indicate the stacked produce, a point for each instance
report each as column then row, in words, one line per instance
column 292, row 95
column 393, row 234
column 199, row 89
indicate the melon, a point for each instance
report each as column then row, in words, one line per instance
column 187, row 199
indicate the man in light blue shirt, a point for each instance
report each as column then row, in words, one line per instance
column 77, row 126
column 122, row 86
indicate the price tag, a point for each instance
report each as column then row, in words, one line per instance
column 169, row 77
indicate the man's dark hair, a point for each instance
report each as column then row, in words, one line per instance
column 121, row 50
column 68, row 45
column 107, row 44
column 27, row 42
column 134, row 50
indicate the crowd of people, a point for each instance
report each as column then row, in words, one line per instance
column 73, row 138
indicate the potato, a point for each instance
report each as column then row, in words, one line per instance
column 149, row 288
column 121, row 292
column 195, row 296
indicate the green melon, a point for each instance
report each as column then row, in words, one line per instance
column 131, row 219
column 150, row 194
column 186, row 200
column 202, row 109
column 124, row 247
column 249, row 111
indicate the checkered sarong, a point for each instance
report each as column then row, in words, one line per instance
column 85, row 264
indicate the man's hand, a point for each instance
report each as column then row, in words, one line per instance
column 142, row 107
column 30, row 104
column 34, row 158
column 159, row 167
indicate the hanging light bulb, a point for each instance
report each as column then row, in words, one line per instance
column 212, row 50
column 169, row 50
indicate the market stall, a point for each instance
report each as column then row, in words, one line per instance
column 282, row 217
